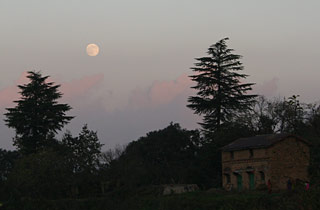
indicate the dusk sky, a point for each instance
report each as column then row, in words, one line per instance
column 139, row 80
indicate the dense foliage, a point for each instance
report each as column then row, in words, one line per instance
column 165, row 156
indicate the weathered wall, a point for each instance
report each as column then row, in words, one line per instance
column 244, row 154
column 289, row 160
column 286, row 159
column 244, row 164
column 244, row 168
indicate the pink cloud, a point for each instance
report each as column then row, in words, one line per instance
column 79, row 87
column 160, row 92
column 164, row 92
column 72, row 89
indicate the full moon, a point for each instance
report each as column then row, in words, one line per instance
column 92, row 49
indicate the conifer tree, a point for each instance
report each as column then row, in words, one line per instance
column 37, row 115
column 220, row 93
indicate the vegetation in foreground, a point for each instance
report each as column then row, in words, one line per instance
column 188, row 201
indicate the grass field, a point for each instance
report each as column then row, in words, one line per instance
column 188, row 201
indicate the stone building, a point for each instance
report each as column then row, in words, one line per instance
column 248, row 163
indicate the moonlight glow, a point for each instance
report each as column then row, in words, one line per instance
column 92, row 49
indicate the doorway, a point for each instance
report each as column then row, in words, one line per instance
column 251, row 181
column 239, row 182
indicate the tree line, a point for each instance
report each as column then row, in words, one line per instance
column 43, row 166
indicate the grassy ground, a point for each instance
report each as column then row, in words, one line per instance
column 188, row 201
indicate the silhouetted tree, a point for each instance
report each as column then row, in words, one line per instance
column 276, row 116
column 220, row 94
column 291, row 115
column 84, row 150
column 37, row 115
column 83, row 153
column 262, row 118
column 111, row 155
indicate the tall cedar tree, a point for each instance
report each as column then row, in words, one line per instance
column 37, row 115
column 220, row 93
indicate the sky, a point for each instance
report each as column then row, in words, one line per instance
column 139, row 81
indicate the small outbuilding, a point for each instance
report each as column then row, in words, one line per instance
column 248, row 163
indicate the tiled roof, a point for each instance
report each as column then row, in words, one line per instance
column 260, row 141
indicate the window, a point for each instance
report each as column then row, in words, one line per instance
column 262, row 176
column 228, row 178
column 232, row 155
column 251, row 153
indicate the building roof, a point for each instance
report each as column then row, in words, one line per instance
column 260, row 141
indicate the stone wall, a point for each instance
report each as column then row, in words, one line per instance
column 244, row 154
column 289, row 160
column 286, row 159
column 244, row 167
